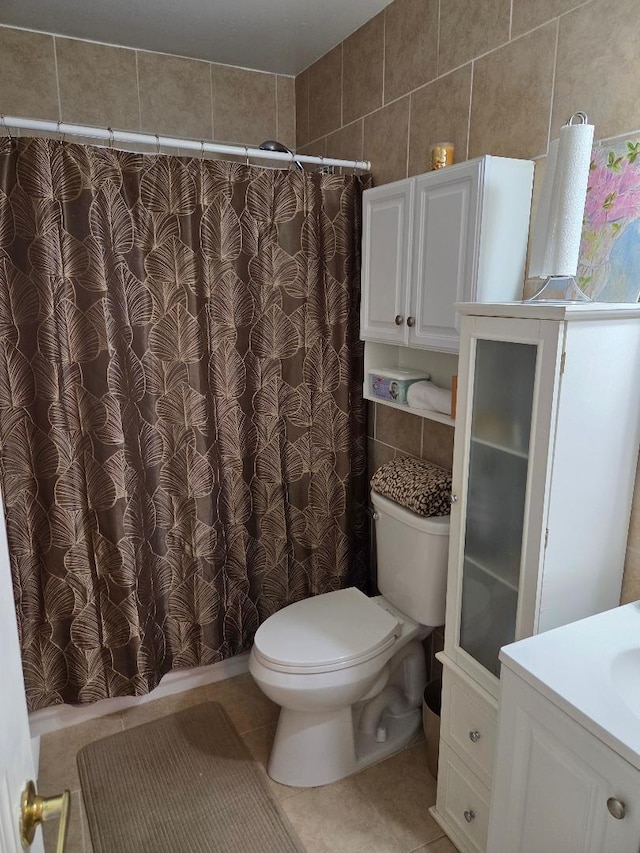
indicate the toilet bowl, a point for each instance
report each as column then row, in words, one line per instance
column 349, row 671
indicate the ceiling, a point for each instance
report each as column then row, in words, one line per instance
column 283, row 36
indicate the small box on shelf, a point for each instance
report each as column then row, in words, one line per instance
column 391, row 384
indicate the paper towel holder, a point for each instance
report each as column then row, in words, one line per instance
column 563, row 288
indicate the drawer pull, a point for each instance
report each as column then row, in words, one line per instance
column 616, row 808
column 399, row 319
column 469, row 815
column 474, row 736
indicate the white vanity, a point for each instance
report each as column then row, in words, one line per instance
column 567, row 767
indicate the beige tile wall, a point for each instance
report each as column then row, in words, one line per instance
column 62, row 79
column 493, row 77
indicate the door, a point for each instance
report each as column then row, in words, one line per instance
column 16, row 759
column 446, row 216
column 508, row 381
column 386, row 262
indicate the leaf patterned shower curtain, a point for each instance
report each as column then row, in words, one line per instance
column 181, row 422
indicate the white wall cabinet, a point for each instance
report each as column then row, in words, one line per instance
column 558, row 787
column 452, row 235
column 544, row 462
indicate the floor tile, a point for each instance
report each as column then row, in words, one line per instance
column 58, row 752
column 338, row 818
column 251, row 712
column 402, row 790
column 259, row 743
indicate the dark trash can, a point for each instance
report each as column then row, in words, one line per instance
column 431, row 707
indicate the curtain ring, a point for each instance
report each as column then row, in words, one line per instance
column 292, row 161
column 3, row 121
column 201, row 150
column 322, row 163
column 157, row 144
column 246, row 155
column 110, row 137
column 60, row 133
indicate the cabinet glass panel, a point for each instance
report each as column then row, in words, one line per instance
column 504, row 379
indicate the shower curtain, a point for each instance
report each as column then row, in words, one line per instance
column 181, row 418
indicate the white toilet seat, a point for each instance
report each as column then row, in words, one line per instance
column 326, row 633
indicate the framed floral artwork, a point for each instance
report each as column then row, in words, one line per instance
column 609, row 265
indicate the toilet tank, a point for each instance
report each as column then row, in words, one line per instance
column 412, row 554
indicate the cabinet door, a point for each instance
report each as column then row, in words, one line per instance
column 386, row 262
column 506, row 398
column 446, row 222
column 554, row 783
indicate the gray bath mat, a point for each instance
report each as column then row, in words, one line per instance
column 185, row 783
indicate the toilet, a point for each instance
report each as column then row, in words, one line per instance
column 349, row 671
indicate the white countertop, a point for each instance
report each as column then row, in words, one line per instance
column 591, row 670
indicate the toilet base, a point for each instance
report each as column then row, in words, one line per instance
column 313, row 749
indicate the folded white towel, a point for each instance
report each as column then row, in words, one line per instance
column 426, row 395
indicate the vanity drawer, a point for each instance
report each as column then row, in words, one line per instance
column 463, row 803
column 469, row 722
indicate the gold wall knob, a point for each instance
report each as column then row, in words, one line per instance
column 34, row 810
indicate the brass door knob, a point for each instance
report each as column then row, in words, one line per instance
column 34, row 810
column 399, row 319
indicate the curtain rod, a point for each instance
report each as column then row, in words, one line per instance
column 113, row 136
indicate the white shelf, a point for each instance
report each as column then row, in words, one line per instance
column 429, row 414
column 492, row 573
column 500, row 447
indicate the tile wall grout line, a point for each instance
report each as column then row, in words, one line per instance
column 473, row 74
column 384, row 50
column 55, row 66
column 213, row 118
column 553, row 84
column 138, row 91
column 341, row 83
column 438, row 41
column 406, row 164
column 276, row 83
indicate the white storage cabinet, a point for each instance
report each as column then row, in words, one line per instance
column 451, row 235
column 544, row 463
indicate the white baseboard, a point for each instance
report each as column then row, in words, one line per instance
column 60, row 716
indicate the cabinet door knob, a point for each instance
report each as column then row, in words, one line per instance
column 399, row 319
column 411, row 321
column 469, row 815
column 616, row 808
column 453, row 499
column 474, row 736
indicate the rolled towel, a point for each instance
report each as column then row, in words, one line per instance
column 426, row 395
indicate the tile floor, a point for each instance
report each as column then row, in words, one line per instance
column 383, row 809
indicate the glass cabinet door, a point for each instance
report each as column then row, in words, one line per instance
column 504, row 379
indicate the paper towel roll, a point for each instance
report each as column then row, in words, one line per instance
column 556, row 247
